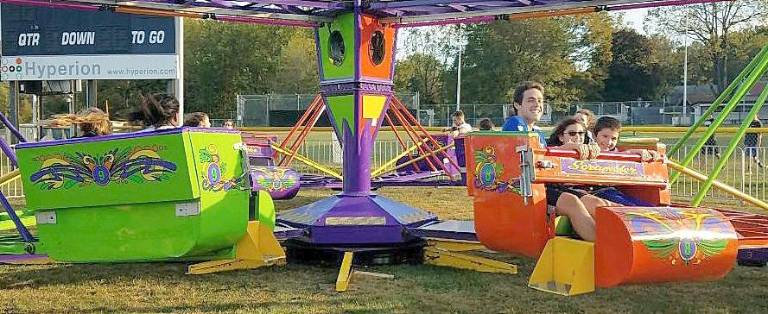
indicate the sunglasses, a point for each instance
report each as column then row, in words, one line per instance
column 574, row 133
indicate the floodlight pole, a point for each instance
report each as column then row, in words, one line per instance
column 458, row 82
column 685, row 69
column 178, row 83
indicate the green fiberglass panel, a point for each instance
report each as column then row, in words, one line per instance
column 142, row 169
column 224, row 188
column 338, row 60
column 135, row 232
column 176, row 227
column 342, row 108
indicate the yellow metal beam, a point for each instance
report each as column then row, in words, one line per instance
column 392, row 161
column 415, row 160
column 9, row 177
column 307, row 161
column 345, row 272
column 444, row 253
column 722, row 186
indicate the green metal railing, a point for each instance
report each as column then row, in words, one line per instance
column 743, row 83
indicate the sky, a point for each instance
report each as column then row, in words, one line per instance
column 634, row 18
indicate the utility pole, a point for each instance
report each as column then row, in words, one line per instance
column 685, row 71
column 458, row 82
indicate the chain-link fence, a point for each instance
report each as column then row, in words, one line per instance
column 285, row 110
column 552, row 112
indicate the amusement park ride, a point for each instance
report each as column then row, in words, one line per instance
column 201, row 188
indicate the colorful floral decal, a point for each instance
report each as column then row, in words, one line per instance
column 136, row 165
column 678, row 234
column 488, row 173
column 213, row 176
column 274, row 179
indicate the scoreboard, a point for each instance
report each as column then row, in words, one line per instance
column 41, row 43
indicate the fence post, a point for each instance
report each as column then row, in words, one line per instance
column 743, row 173
column 267, row 113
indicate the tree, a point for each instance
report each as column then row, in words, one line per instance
column 4, row 89
column 711, row 24
column 223, row 60
column 425, row 56
column 297, row 65
column 592, row 45
column 562, row 53
column 635, row 71
column 746, row 44
column 421, row 73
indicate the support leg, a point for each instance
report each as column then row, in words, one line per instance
column 345, row 272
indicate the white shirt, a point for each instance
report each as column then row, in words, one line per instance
column 464, row 128
column 152, row 128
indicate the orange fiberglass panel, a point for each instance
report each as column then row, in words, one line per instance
column 662, row 244
column 376, row 49
column 503, row 220
column 561, row 166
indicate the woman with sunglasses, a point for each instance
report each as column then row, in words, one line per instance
column 571, row 134
column 573, row 201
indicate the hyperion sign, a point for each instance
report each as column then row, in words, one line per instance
column 57, row 44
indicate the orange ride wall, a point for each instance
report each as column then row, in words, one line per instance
column 659, row 244
column 503, row 222
column 368, row 69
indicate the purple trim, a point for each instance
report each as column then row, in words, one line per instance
column 52, row 4
column 357, row 156
column 275, row 181
column 299, row 12
column 264, row 21
column 351, row 87
column 319, row 52
column 289, row 7
column 601, row 167
column 753, row 256
column 122, row 136
column 414, row 3
column 358, row 40
column 655, row 4
column 338, row 81
column 377, row 220
column 470, row 20
column 18, row 259
column 9, row 153
column 12, row 128
column 376, row 81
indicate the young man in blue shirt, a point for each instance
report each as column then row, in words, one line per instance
column 579, row 207
column 528, row 103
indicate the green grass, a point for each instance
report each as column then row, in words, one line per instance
column 163, row 287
